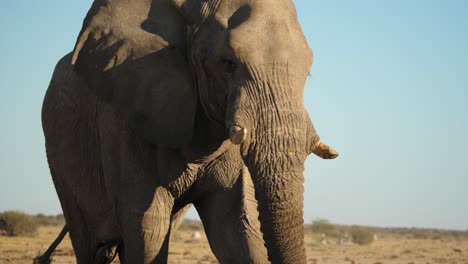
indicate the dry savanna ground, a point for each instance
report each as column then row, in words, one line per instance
column 387, row 249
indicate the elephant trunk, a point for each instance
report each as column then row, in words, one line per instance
column 277, row 174
column 267, row 118
column 277, row 148
column 275, row 158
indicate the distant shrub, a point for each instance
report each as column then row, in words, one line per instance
column 19, row 224
column 421, row 235
column 49, row 220
column 191, row 225
column 361, row 236
column 323, row 226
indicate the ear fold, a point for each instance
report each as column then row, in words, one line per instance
column 194, row 11
column 132, row 54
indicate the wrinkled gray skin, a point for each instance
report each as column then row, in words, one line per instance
column 164, row 103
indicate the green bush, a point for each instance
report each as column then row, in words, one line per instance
column 361, row 236
column 323, row 226
column 49, row 220
column 19, row 224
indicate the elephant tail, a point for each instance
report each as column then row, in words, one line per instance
column 45, row 258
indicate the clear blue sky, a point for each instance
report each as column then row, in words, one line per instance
column 388, row 90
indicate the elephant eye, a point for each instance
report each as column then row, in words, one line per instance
column 229, row 65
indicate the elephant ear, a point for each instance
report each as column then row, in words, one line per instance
column 132, row 55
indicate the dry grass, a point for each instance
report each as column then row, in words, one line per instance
column 25, row 249
column 389, row 249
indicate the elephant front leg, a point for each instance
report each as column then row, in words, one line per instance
column 176, row 219
column 145, row 226
column 230, row 219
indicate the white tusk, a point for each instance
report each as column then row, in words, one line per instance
column 324, row 151
column 237, row 135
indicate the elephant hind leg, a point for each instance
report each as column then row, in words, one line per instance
column 83, row 242
column 85, row 230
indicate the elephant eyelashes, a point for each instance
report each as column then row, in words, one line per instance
column 229, row 65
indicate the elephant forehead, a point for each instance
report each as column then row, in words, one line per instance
column 261, row 35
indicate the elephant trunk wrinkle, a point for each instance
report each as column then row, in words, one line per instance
column 280, row 204
column 276, row 166
column 276, row 161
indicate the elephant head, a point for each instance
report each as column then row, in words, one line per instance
column 242, row 63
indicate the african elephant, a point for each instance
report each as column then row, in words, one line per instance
column 164, row 103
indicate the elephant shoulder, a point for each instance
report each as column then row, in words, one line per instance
column 66, row 97
column 65, row 81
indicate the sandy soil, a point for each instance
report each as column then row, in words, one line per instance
column 390, row 249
